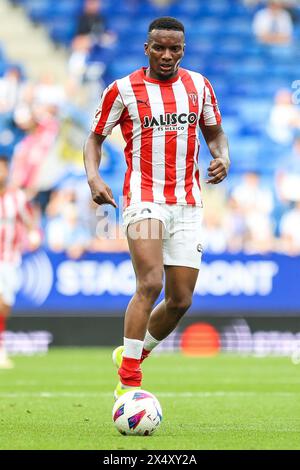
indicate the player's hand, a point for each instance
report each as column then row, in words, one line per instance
column 101, row 193
column 217, row 170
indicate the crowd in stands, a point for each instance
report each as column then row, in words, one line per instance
column 43, row 126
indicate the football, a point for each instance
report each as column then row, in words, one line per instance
column 137, row 413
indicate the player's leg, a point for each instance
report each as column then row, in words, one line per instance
column 147, row 258
column 182, row 253
column 179, row 287
column 5, row 362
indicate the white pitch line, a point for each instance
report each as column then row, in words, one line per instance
column 159, row 394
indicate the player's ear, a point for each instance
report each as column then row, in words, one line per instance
column 146, row 47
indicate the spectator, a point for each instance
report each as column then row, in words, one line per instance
column 251, row 196
column 42, row 126
column 91, row 21
column 284, row 118
column 273, row 25
column 48, row 92
column 235, row 226
column 91, row 51
column 65, row 233
column 259, row 237
column 288, row 176
column 91, row 24
column 77, row 63
column 214, row 235
column 256, row 203
column 290, row 231
column 10, row 89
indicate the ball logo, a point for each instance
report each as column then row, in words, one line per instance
column 36, row 277
column 135, row 420
column 119, row 412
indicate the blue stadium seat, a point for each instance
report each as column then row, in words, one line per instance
column 39, row 10
column 62, row 31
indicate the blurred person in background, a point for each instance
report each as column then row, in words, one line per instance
column 289, row 229
column 284, row 120
column 91, row 24
column 214, row 235
column 291, row 6
column 47, row 92
column 160, row 109
column 234, row 226
column 16, row 217
column 273, row 25
column 213, row 231
column 91, row 21
column 91, row 49
column 252, row 195
column 41, row 125
column 64, row 232
column 10, row 90
column 256, row 203
column 77, row 64
column 288, row 175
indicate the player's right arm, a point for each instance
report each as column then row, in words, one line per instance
column 107, row 116
column 101, row 192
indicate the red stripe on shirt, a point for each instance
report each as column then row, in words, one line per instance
column 213, row 101
column 169, row 101
column 201, row 120
column 144, row 109
column 106, row 106
column 192, row 138
column 15, row 240
column 15, row 212
column 197, row 172
column 127, row 131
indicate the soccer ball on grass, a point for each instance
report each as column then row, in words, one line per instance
column 137, row 413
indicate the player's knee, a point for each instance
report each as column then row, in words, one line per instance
column 179, row 304
column 151, row 286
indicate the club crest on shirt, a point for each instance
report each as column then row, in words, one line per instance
column 194, row 98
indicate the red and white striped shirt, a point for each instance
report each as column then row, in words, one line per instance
column 15, row 212
column 160, row 124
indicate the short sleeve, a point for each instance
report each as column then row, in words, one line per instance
column 109, row 111
column 210, row 114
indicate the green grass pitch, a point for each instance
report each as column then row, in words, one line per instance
column 63, row 400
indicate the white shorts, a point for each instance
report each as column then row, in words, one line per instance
column 9, row 282
column 182, row 238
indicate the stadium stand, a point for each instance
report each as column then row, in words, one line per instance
column 220, row 44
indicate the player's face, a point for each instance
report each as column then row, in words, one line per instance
column 3, row 173
column 165, row 50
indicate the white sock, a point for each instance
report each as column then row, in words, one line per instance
column 150, row 342
column 133, row 348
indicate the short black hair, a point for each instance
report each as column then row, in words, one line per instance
column 166, row 22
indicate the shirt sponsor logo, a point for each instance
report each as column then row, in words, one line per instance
column 170, row 119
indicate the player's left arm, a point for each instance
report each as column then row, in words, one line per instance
column 217, row 143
